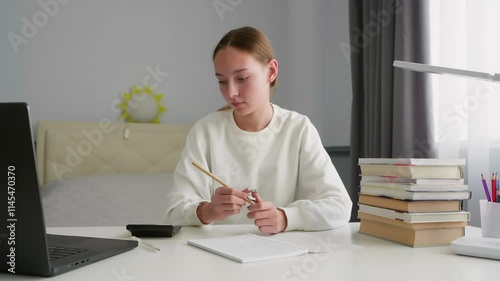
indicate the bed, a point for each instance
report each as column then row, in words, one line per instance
column 104, row 173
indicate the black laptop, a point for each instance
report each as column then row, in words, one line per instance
column 25, row 248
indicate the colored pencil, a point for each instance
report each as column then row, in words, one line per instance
column 493, row 188
column 486, row 189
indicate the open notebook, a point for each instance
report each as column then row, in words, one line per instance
column 249, row 247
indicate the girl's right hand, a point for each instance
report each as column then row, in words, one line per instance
column 226, row 202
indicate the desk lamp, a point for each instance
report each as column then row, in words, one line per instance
column 484, row 247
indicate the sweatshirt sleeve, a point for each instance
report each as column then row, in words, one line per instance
column 190, row 186
column 321, row 200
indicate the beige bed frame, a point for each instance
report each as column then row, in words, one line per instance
column 70, row 149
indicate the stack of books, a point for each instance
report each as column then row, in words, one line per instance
column 416, row 202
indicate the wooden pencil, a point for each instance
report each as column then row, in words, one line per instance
column 217, row 180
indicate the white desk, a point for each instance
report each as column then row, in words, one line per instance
column 375, row 259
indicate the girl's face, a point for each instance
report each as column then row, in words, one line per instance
column 244, row 81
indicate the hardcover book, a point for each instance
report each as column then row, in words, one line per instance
column 411, row 234
column 413, row 168
column 420, row 217
column 415, row 195
column 413, row 172
column 417, row 187
column 413, row 161
column 419, row 181
column 411, row 206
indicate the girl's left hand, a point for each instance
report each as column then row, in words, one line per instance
column 266, row 216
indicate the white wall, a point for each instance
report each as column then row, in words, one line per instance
column 87, row 52
column 318, row 77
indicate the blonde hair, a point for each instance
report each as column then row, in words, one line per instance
column 252, row 41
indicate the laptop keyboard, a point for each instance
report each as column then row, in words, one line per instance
column 62, row 252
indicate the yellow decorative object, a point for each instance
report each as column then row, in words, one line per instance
column 141, row 105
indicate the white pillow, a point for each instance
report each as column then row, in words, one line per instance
column 106, row 200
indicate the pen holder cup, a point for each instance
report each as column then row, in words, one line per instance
column 490, row 218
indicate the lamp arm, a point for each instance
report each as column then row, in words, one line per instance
column 420, row 67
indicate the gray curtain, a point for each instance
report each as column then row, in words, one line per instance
column 391, row 108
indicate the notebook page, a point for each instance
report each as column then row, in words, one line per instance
column 248, row 247
column 313, row 243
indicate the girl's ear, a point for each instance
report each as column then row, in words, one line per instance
column 272, row 67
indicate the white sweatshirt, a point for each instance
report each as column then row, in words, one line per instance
column 285, row 162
